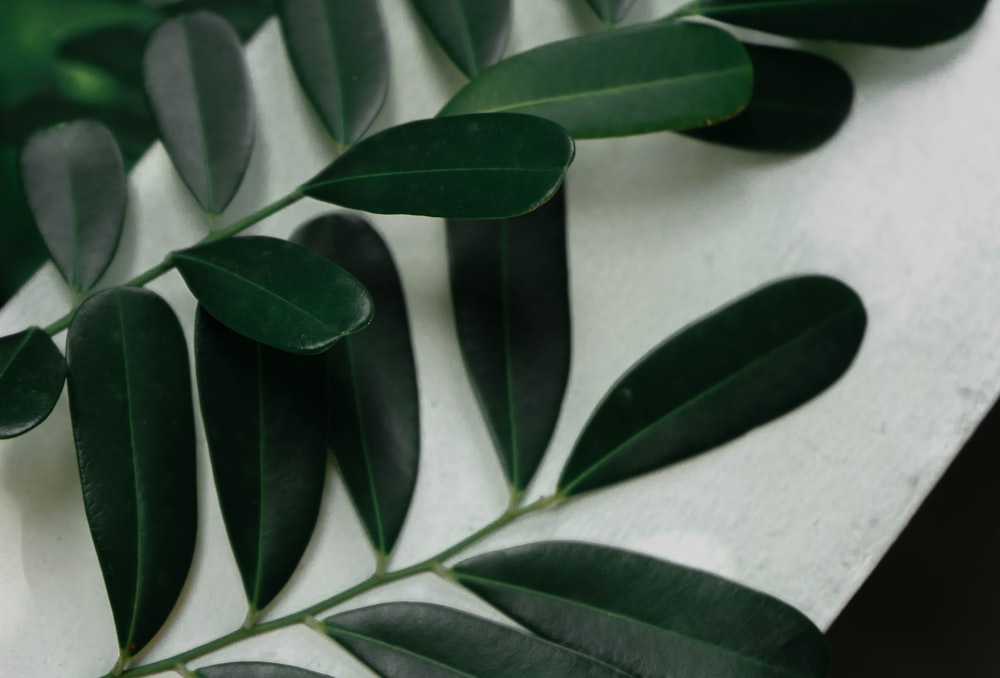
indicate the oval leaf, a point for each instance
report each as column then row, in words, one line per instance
column 275, row 292
column 130, row 401
column 510, row 290
column 646, row 78
column 611, row 11
column 648, row 617
column 473, row 33
column 74, row 180
column 374, row 412
column 740, row 367
column 264, row 420
column 467, row 167
column 340, row 54
column 256, row 670
column 799, row 101
column 419, row 640
column 199, row 89
column 32, row 372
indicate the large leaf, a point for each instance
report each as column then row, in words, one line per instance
column 130, row 401
column 264, row 419
column 510, row 289
column 799, row 101
column 898, row 23
column 199, row 89
column 467, row 167
column 647, row 617
column 255, row 670
column 32, row 372
column 740, row 367
column 611, row 11
column 340, row 54
column 646, row 78
column 419, row 640
column 275, row 292
column 473, row 33
column 374, row 409
column 74, row 180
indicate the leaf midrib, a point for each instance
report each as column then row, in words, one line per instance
column 441, row 170
column 200, row 115
column 333, row 630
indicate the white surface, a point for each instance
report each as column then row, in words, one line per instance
column 901, row 205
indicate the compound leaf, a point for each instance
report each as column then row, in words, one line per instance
column 32, row 372
column 473, row 33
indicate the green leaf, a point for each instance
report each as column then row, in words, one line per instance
column 896, row 23
column 466, row 167
column 611, row 11
column 340, row 54
column 32, row 372
column 374, row 409
column 275, row 292
column 742, row 366
column 799, row 101
column 419, row 640
column 473, row 33
column 510, row 290
column 245, row 16
column 199, row 89
column 264, row 419
column 645, row 78
column 647, row 617
column 130, row 401
column 74, row 180
column 256, row 670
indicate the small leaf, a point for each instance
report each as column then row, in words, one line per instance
column 611, row 11
column 645, row 78
column 130, row 401
column 256, row 670
column 419, row 640
column 799, row 101
column 74, row 179
column 473, row 33
column 374, row 409
column 340, row 54
column 510, row 289
column 467, row 167
column 199, row 89
column 264, row 420
column 740, row 367
column 648, row 617
column 32, row 372
column 275, row 292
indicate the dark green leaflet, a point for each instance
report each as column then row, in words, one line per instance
column 32, row 372
column 473, row 33
column 256, row 670
column 611, row 11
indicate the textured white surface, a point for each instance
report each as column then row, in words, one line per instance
column 902, row 205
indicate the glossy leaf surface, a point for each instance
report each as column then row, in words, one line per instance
column 265, row 422
column 32, row 372
column 645, row 616
column 611, row 11
column 473, row 33
column 74, row 179
column 799, row 101
column 373, row 404
column 275, row 292
column 199, row 89
column 419, row 640
column 339, row 51
column 645, row 78
column 466, row 167
column 130, row 401
column 736, row 369
column 255, row 670
column 510, row 290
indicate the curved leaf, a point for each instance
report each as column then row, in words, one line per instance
column 419, row 640
column 340, row 54
column 799, row 101
column 510, row 290
column 473, row 33
column 275, row 292
column 199, row 89
column 130, row 401
column 645, row 78
column 645, row 616
column 374, row 409
column 740, row 367
column 74, row 179
column 256, row 670
column 264, row 419
column 611, row 11
column 466, row 167
column 32, row 372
